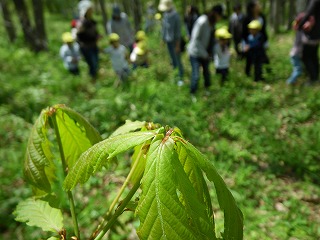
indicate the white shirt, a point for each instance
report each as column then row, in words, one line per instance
column 70, row 56
column 221, row 58
column 118, row 57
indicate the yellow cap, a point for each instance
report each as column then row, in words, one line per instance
column 157, row 16
column 67, row 37
column 223, row 33
column 113, row 37
column 141, row 35
column 141, row 48
column 255, row 24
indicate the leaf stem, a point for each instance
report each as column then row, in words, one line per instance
column 64, row 166
column 119, row 210
column 116, row 199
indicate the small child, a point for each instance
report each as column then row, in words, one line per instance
column 297, row 49
column 119, row 55
column 139, row 54
column 70, row 53
column 222, row 53
column 255, row 50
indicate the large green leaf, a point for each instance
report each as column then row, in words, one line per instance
column 40, row 214
column 95, row 157
column 233, row 218
column 139, row 155
column 91, row 133
column 194, row 201
column 73, row 135
column 129, row 126
column 38, row 166
column 161, row 214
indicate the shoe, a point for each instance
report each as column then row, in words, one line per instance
column 180, row 83
column 193, row 98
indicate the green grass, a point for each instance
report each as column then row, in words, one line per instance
column 263, row 138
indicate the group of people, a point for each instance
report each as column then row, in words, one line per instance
column 206, row 43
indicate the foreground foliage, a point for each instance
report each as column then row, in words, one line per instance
column 174, row 203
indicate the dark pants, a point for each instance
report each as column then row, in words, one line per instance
column 75, row 71
column 256, row 59
column 195, row 75
column 91, row 57
column 175, row 58
column 224, row 74
column 311, row 61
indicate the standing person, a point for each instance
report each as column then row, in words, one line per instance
column 70, row 53
column 120, row 25
column 310, row 51
column 235, row 27
column 192, row 14
column 296, row 53
column 171, row 35
column 87, row 36
column 119, row 57
column 254, row 13
column 255, row 49
column 201, row 46
column 222, row 53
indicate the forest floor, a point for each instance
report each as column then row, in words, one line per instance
column 263, row 138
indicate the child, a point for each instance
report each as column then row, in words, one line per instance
column 139, row 54
column 70, row 53
column 222, row 53
column 119, row 55
column 255, row 50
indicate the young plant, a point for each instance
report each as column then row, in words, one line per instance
column 174, row 202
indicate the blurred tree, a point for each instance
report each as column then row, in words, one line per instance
column 104, row 15
column 34, row 37
column 137, row 13
column 6, row 14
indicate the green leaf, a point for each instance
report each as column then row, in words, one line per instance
column 91, row 133
column 96, row 156
column 38, row 165
column 40, row 214
column 76, row 134
column 193, row 200
column 140, row 155
column 129, row 126
column 233, row 218
column 161, row 214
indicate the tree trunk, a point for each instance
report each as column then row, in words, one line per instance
column 104, row 15
column 7, row 21
column 137, row 14
column 24, row 19
column 291, row 13
column 40, row 32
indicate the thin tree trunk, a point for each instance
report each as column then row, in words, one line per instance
column 7, row 21
column 137, row 14
column 24, row 19
column 41, row 37
column 104, row 15
column 292, row 12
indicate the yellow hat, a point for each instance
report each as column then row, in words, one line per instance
column 255, row 24
column 157, row 16
column 141, row 48
column 67, row 37
column 141, row 35
column 113, row 37
column 223, row 33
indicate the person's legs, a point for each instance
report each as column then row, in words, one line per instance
column 175, row 58
column 311, row 61
column 195, row 65
column 206, row 72
column 297, row 69
column 90, row 55
column 257, row 69
column 248, row 63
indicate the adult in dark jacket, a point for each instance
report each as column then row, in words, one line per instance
column 87, row 36
column 310, row 51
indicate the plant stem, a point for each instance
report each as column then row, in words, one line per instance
column 119, row 210
column 116, row 199
column 64, row 166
